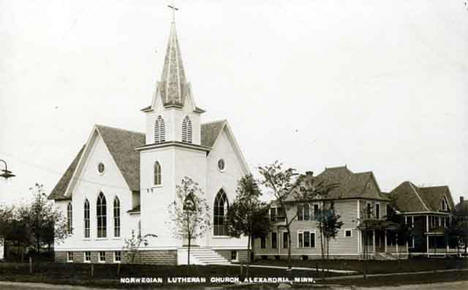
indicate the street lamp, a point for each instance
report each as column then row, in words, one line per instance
column 5, row 172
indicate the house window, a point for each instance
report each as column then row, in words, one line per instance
column 69, row 257
column 69, row 218
column 262, row 242
column 116, row 217
column 87, row 257
column 285, row 240
column 157, row 173
column 316, row 211
column 86, row 219
column 102, row 257
column 377, row 210
column 306, row 239
column 300, row 212
column 444, row 204
column 274, row 240
column 117, row 256
column 159, row 130
column 233, row 255
column 219, row 214
column 348, row 233
column 187, row 130
column 273, row 214
column 306, row 212
column 368, row 211
column 101, row 216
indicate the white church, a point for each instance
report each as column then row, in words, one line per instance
column 122, row 182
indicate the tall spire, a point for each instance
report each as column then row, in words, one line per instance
column 173, row 85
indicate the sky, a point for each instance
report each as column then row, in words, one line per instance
column 374, row 85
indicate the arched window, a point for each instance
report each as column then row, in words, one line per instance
column 157, row 173
column 101, row 216
column 86, row 219
column 116, row 217
column 444, row 204
column 69, row 218
column 159, row 130
column 221, row 206
column 187, row 130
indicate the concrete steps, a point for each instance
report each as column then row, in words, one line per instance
column 201, row 256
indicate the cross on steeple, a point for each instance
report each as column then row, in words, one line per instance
column 174, row 9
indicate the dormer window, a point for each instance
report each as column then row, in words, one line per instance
column 159, row 130
column 187, row 130
column 444, row 204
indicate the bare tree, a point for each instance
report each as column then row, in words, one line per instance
column 189, row 212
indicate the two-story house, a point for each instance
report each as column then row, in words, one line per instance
column 356, row 197
column 428, row 210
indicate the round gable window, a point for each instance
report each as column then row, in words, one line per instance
column 221, row 164
column 100, row 167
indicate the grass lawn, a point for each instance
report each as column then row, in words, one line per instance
column 105, row 275
column 401, row 279
column 377, row 267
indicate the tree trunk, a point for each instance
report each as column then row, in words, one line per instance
column 248, row 258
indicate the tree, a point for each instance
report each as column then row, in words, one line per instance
column 247, row 215
column 329, row 224
column 43, row 222
column 189, row 212
column 132, row 245
column 288, row 187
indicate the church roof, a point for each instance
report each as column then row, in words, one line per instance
column 121, row 144
column 411, row 198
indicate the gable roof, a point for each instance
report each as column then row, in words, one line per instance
column 411, row 198
column 350, row 185
column 121, row 144
column 210, row 132
column 58, row 192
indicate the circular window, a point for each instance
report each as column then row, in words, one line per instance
column 101, row 167
column 221, row 164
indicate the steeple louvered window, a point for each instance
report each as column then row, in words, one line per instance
column 187, row 130
column 159, row 130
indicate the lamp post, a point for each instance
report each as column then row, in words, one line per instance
column 5, row 172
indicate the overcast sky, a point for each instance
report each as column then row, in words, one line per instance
column 377, row 85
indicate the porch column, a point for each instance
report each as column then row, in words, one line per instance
column 427, row 236
column 385, row 241
column 373, row 244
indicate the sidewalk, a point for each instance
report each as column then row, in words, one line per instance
column 294, row 268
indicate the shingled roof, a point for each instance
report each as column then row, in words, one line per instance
column 121, row 144
column 411, row 198
column 350, row 185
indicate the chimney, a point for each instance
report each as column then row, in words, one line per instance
column 461, row 199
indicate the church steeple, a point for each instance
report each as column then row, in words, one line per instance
column 173, row 87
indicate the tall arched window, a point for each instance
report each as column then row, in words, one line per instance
column 220, row 209
column 69, row 218
column 116, row 217
column 159, row 130
column 187, row 130
column 101, row 216
column 157, row 173
column 86, row 219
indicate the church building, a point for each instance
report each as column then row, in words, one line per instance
column 122, row 182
